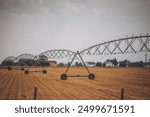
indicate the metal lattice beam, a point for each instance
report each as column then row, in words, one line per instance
column 25, row 57
column 8, row 60
column 132, row 44
column 58, row 53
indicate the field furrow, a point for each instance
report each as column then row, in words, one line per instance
column 15, row 84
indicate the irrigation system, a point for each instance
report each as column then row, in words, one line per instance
column 133, row 44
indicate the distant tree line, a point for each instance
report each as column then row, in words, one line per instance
column 26, row 62
column 30, row 62
column 124, row 63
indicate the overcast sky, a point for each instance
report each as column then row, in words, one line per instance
column 35, row 26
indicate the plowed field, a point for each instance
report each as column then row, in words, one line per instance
column 15, row 84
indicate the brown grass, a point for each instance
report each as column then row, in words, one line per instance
column 107, row 85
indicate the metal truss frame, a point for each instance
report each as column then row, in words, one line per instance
column 58, row 53
column 31, row 58
column 10, row 58
column 120, row 46
column 25, row 56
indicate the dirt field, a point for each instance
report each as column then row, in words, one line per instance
column 15, row 84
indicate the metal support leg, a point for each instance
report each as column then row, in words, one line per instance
column 90, row 76
column 83, row 62
column 71, row 63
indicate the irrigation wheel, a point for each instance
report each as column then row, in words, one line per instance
column 26, row 72
column 91, row 76
column 44, row 72
column 63, row 77
column 9, row 68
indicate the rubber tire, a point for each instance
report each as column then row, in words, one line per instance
column 22, row 69
column 44, row 72
column 91, row 76
column 63, row 77
column 26, row 72
column 9, row 68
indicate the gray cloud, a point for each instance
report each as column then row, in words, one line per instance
column 19, row 6
column 26, row 25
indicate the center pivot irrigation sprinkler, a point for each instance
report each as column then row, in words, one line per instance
column 90, row 75
column 27, row 70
